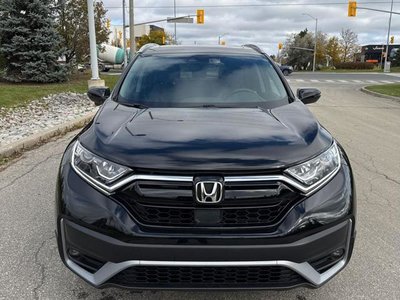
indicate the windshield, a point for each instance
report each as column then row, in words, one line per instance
column 203, row 80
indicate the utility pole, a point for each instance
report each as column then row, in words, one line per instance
column 386, row 68
column 132, row 29
column 124, row 33
column 95, row 79
column 175, row 38
column 352, row 12
column 315, row 44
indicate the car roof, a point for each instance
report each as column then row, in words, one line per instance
column 196, row 49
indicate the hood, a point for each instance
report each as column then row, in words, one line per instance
column 206, row 139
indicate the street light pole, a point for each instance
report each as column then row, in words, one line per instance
column 124, row 33
column 95, row 79
column 132, row 29
column 176, row 40
column 385, row 68
column 315, row 43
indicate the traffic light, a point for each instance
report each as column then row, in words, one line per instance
column 280, row 46
column 108, row 23
column 352, row 12
column 163, row 39
column 392, row 39
column 200, row 16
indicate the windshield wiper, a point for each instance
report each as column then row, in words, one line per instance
column 135, row 105
column 212, row 106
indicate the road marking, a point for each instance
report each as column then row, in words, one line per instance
column 393, row 74
column 341, row 81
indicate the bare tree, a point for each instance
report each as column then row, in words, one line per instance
column 348, row 42
column 73, row 28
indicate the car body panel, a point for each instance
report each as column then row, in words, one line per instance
column 206, row 138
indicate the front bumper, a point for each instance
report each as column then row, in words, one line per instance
column 120, row 252
column 116, row 256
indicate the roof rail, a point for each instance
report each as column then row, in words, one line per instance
column 147, row 46
column 254, row 47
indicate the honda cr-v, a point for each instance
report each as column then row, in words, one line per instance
column 202, row 170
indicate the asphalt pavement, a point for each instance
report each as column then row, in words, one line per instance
column 368, row 128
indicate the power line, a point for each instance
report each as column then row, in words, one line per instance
column 252, row 5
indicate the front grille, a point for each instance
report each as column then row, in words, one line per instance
column 245, row 204
column 207, row 277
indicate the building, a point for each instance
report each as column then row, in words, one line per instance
column 115, row 37
column 376, row 53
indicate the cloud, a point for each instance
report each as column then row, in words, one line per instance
column 265, row 25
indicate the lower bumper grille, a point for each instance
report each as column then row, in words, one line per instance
column 207, row 277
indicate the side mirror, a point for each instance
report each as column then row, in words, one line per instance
column 308, row 95
column 99, row 94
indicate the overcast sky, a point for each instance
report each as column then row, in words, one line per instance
column 263, row 22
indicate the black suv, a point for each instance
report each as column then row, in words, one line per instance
column 202, row 170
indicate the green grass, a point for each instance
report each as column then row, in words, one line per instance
column 386, row 89
column 17, row 94
column 395, row 69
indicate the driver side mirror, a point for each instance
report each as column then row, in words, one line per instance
column 99, row 94
column 308, row 95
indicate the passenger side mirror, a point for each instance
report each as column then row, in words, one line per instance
column 99, row 94
column 308, row 95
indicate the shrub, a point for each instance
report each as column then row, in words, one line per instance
column 355, row 66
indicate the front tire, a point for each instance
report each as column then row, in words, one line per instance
column 286, row 72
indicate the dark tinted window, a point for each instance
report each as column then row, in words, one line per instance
column 197, row 80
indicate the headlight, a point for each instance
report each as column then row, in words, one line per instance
column 96, row 168
column 317, row 169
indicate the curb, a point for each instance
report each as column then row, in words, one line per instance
column 365, row 91
column 34, row 140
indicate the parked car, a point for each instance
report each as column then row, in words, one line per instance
column 286, row 70
column 202, row 170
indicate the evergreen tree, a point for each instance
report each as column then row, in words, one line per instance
column 29, row 42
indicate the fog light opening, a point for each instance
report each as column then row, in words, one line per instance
column 73, row 252
column 337, row 253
